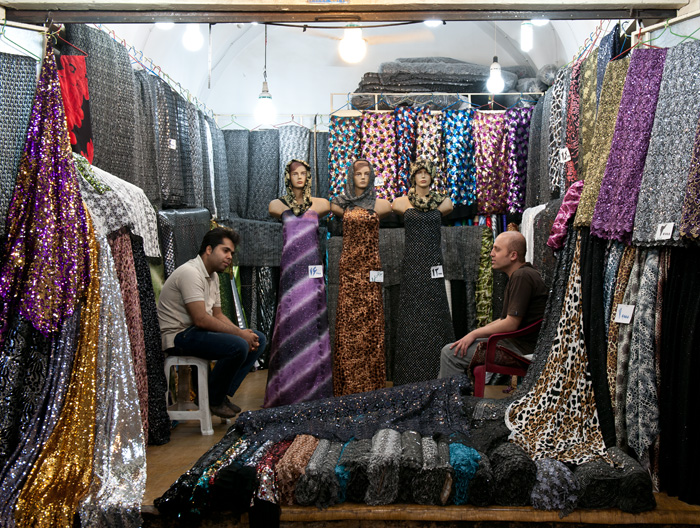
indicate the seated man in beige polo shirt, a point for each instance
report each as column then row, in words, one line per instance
column 192, row 323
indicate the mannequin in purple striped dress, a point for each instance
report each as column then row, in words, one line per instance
column 300, row 354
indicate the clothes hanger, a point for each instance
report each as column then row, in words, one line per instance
column 234, row 122
column 683, row 37
column 3, row 35
column 57, row 34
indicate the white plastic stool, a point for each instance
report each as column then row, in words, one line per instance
column 187, row 410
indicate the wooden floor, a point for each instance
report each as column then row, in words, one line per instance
column 166, row 463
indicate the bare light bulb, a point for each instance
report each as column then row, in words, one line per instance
column 495, row 83
column 265, row 111
column 431, row 23
column 352, row 47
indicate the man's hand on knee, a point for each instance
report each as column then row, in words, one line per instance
column 460, row 347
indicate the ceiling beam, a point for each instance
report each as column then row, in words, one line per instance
column 341, row 13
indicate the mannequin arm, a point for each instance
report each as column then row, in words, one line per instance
column 321, row 206
column 337, row 210
column 400, row 205
column 382, row 207
column 445, row 207
column 276, row 208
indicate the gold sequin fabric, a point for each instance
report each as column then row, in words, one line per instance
column 46, row 254
column 292, row 465
column 597, row 157
column 558, row 417
column 588, row 106
column 429, row 147
column 63, row 471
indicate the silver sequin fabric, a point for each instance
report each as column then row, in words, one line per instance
column 666, row 169
column 119, row 463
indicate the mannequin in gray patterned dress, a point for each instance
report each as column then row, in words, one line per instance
column 424, row 315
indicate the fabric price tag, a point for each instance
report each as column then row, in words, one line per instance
column 664, row 231
column 436, row 272
column 172, row 144
column 378, row 181
column 624, row 312
column 315, row 272
column 376, row 276
column 564, row 154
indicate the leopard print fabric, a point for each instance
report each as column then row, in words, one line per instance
column 359, row 361
column 623, row 276
column 558, row 417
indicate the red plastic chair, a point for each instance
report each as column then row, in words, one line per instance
column 491, row 366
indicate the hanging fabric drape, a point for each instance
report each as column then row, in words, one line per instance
column 518, row 122
column 429, row 147
column 491, row 161
column 613, row 216
column 602, row 139
column 588, row 112
column 379, row 148
column 459, row 156
column 610, row 47
column 666, row 170
column 344, row 148
column 237, row 156
column 573, row 108
column 16, row 93
column 405, row 121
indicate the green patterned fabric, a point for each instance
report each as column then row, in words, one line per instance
column 484, row 282
column 227, row 306
column 588, row 105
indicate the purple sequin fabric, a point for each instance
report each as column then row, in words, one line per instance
column 568, row 208
column 518, row 123
column 379, row 148
column 613, row 217
column 491, row 160
column 47, row 254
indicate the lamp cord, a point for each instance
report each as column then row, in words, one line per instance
column 265, row 67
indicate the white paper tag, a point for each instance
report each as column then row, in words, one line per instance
column 378, row 181
column 436, row 272
column 564, row 154
column 315, row 272
column 664, row 231
column 172, row 144
column 624, row 312
column 376, row 276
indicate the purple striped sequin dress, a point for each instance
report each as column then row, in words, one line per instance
column 300, row 356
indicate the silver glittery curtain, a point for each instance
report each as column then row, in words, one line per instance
column 119, row 463
column 221, row 183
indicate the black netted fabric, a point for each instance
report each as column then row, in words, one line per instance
column 514, row 475
column 158, row 420
column 112, row 98
column 208, row 190
column 636, row 489
column 481, row 486
column 261, row 242
column 592, row 269
column 355, row 460
column 259, row 287
column 319, row 163
column 146, row 173
column 410, row 464
column 237, row 159
column 168, row 162
column 544, row 259
column 196, row 168
column 294, row 144
column 16, row 95
column 184, row 150
column 428, row 407
column 220, row 170
column 181, row 232
column 176, row 500
column 679, row 397
column 599, row 484
column 533, row 196
column 556, row 487
column 263, row 166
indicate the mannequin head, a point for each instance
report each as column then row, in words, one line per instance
column 296, row 177
column 422, row 175
column 362, row 176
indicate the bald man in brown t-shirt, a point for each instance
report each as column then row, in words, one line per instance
column 523, row 304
